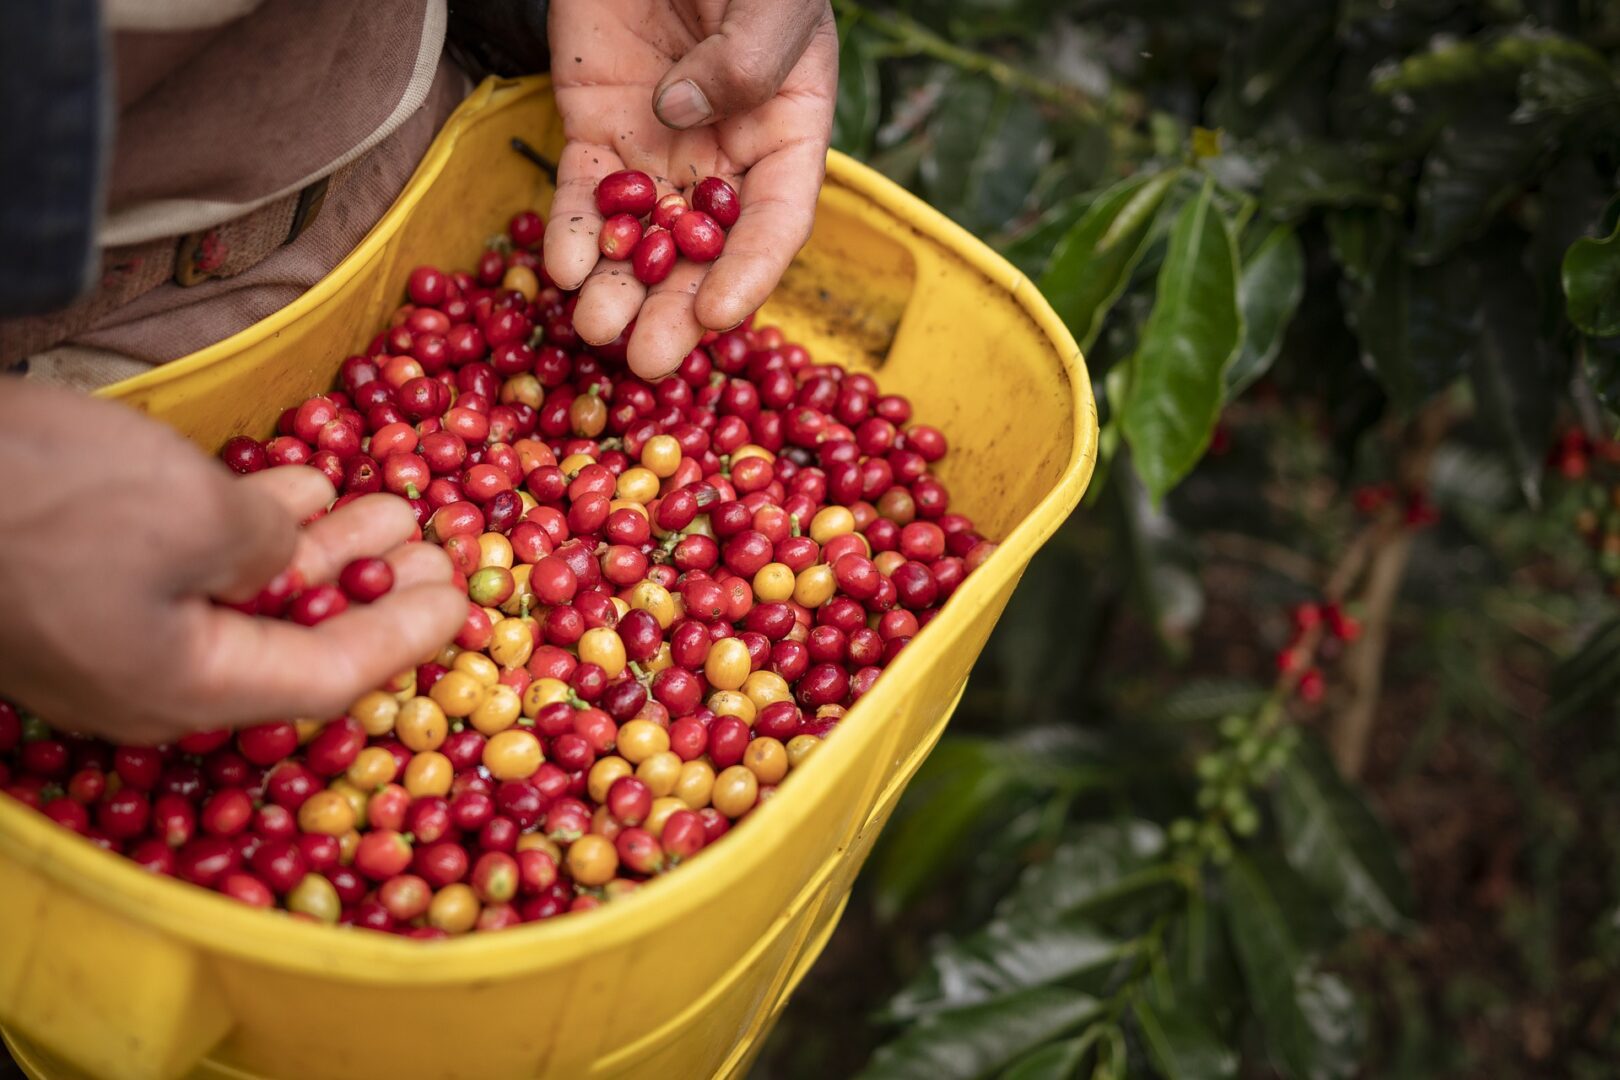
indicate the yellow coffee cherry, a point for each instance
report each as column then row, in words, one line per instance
column 458, row 693
column 571, row 464
column 603, row 774
column 830, row 522
column 639, row 740
column 774, row 583
column 735, row 791
column 326, row 812
column 317, row 898
column 513, row 755
column 660, row 660
column 766, row 688
column 601, row 646
column 421, row 724
column 494, row 550
column 543, row 692
column 511, row 643
column 357, row 799
column 728, row 664
column 695, row 786
column 638, row 485
column 801, row 748
column 454, row 909
column 479, row 666
column 592, row 860
column 661, row 455
column 498, row 711
column 655, row 600
column 521, row 280
column 732, row 703
column 659, row 814
column 751, row 450
column 376, row 712
column 767, row 759
column 815, row 586
column 429, row 773
column 660, row 772
column 372, row 768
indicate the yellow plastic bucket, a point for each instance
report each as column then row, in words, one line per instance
column 106, row 971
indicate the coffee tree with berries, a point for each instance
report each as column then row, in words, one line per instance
column 1346, row 276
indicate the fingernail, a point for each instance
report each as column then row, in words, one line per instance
column 682, row 105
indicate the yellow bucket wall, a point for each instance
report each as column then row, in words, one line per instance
column 106, row 971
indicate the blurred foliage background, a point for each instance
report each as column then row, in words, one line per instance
column 1294, row 753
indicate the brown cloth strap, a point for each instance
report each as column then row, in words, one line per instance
column 130, row 272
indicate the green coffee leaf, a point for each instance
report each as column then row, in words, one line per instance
column 959, row 783
column 1332, row 838
column 1093, row 262
column 1268, row 958
column 1591, row 276
column 1516, row 373
column 966, row 1044
column 1270, row 287
column 855, row 117
column 1479, row 163
column 1191, row 335
column 1005, row 957
column 1054, row 1061
column 1183, row 1043
column 1095, row 863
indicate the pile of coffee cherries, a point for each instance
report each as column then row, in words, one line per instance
column 675, row 592
column 649, row 230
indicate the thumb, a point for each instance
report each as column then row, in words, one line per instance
column 740, row 66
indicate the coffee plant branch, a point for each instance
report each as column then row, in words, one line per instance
column 913, row 38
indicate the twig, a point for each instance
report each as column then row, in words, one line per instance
column 1240, row 547
column 546, row 165
column 918, row 40
column 1364, row 663
column 1390, row 550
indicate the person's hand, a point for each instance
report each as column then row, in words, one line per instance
column 684, row 89
column 115, row 533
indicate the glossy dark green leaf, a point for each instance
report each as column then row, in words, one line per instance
column 986, row 150
column 1005, row 957
column 1183, row 1043
column 1055, row 1061
column 1517, row 376
column 1092, row 263
column 1032, row 248
column 1588, row 677
column 955, row 132
column 967, row 1044
column 1191, row 336
column 1333, row 839
column 1416, row 327
column 1567, row 82
column 1269, row 960
column 1270, row 287
column 1591, row 276
column 961, row 780
column 1337, row 1021
column 1480, row 162
column 1452, row 64
column 1094, row 863
column 1317, row 174
column 860, row 95
column 1361, row 240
